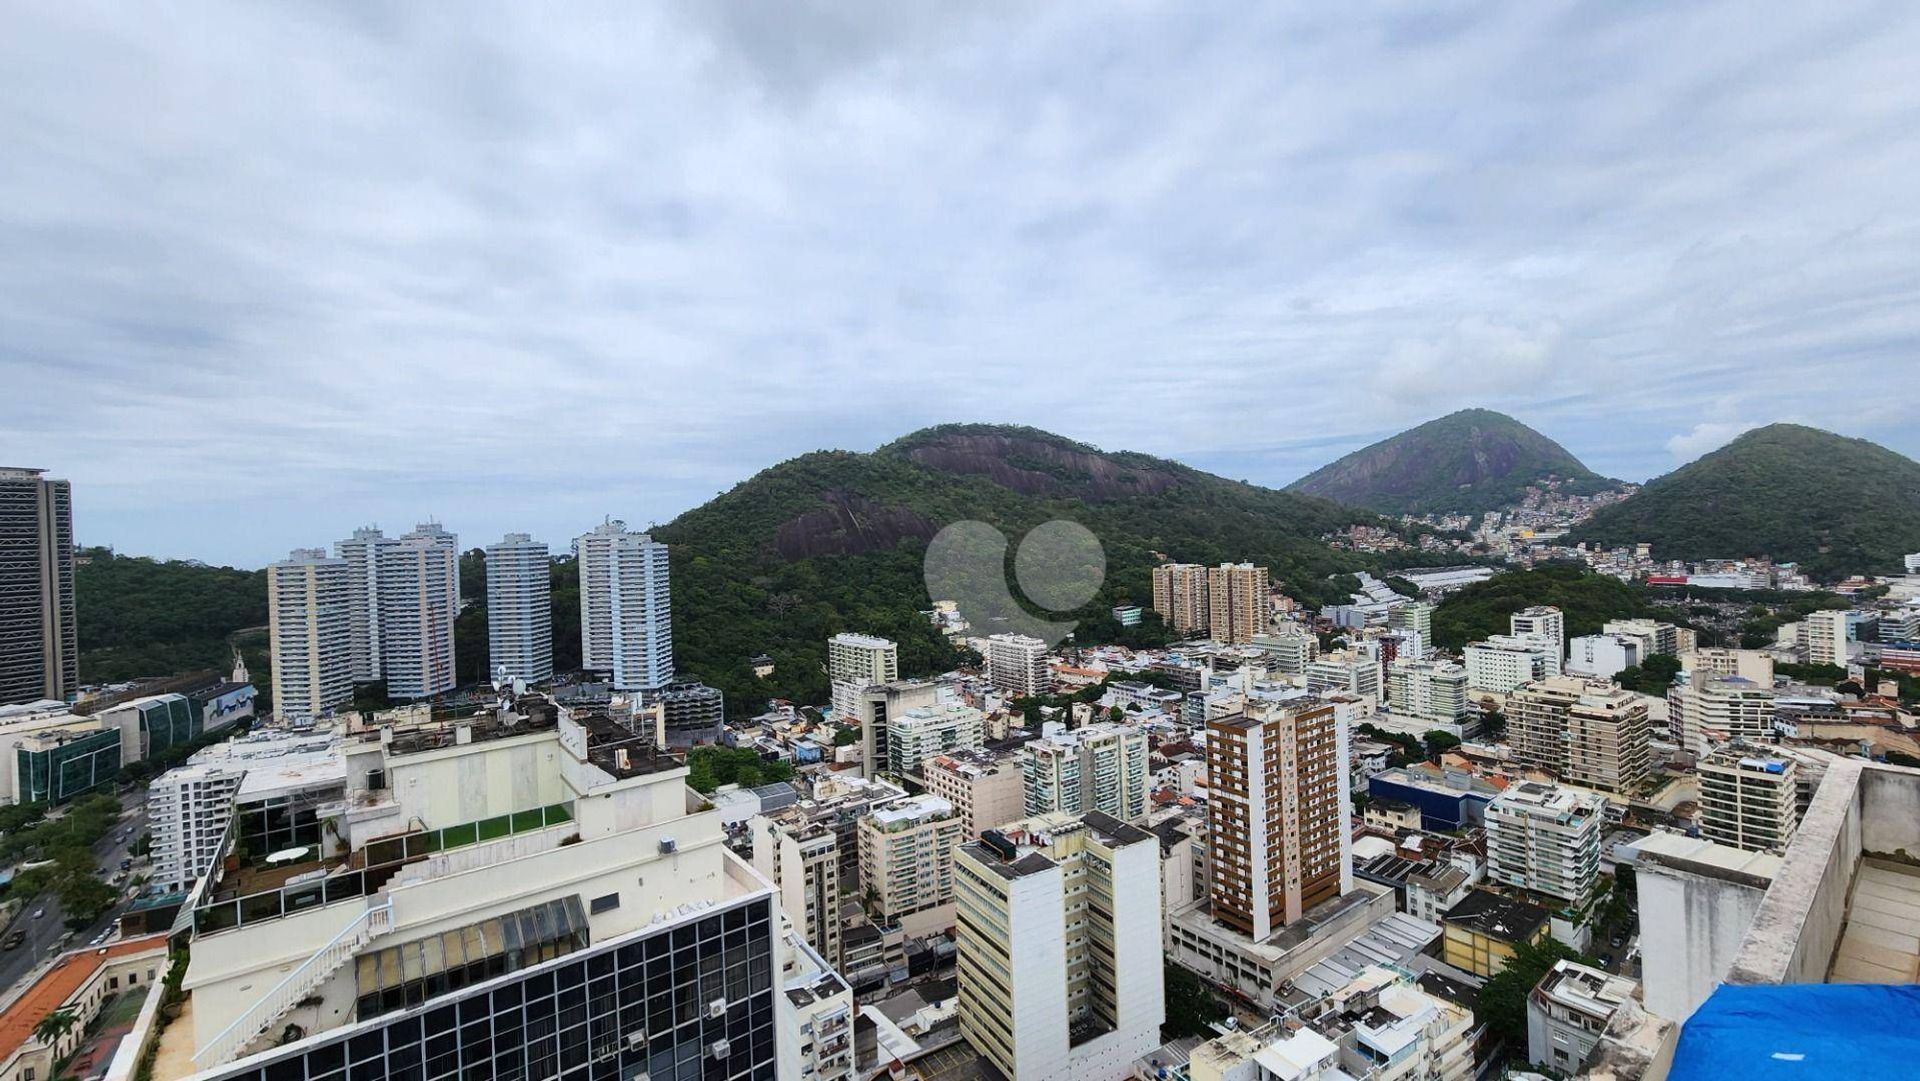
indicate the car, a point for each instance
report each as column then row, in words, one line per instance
column 1606, row 960
column 1617, row 941
column 39, row 912
column 13, row 941
column 127, row 865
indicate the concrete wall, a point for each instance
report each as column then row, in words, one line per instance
column 1691, row 928
column 1798, row 924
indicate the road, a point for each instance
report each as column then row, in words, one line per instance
column 44, row 933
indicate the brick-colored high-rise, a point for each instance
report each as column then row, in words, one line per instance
column 1236, row 602
column 1277, row 813
column 1180, row 596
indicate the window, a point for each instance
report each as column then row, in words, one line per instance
column 604, row 904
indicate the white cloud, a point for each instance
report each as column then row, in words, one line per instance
column 1706, row 436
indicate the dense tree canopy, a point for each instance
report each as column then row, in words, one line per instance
column 1587, row 600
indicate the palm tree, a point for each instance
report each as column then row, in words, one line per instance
column 55, row 1025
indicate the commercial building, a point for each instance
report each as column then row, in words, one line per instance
column 39, row 652
column 1825, row 635
column 1705, row 711
column 1543, row 620
column 1484, row 929
column 917, row 734
column 1505, row 661
column 1017, row 665
column 526, row 894
column 626, row 606
column 1602, row 656
column 418, row 585
column 856, row 662
column 987, row 791
column 1749, row 797
column 906, row 862
column 1277, row 812
column 1096, row 767
column 1180, row 596
column 1236, row 602
column 1568, row 1010
column 1059, row 959
column 1588, row 732
column 1545, row 838
column 59, row 759
column 874, row 708
column 519, row 610
column 1449, row 799
column 1428, row 690
column 310, row 636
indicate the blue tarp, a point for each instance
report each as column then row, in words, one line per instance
column 1802, row 1031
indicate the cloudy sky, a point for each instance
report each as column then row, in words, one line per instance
column 271, row 271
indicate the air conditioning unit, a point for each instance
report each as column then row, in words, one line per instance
column 717, row 1008
column 637, row 1039
column 719, row 1049
column 667, row 846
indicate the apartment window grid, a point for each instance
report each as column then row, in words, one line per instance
column 577, row 1019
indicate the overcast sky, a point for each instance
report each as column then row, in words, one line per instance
column 268, row 272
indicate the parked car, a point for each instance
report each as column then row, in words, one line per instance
column 39, row 912
column 13, row 941
column 127, row 865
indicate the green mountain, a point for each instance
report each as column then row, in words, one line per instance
column 833, row 541
column 1837, row 506
column 1467, row 462
column 147, row 617
column 1586, row 600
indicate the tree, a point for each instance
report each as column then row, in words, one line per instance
column 1191, row 1007
column 1440, row 741
column 53, row 1026
column 1503, row 1001
column 1651, row 676
column 85, row 899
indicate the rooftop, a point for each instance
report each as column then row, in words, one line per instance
column 1495, row 916
column 1589, row 990
column 58, row 984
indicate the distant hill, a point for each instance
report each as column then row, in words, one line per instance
column 833, row 541
column 1467, row 462
column 1837, row 506
column 148, row 617
column 1586, row 599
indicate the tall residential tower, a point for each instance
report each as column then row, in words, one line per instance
column 626, row 608
column 519, row 609
column 39, row 654
column 308, row 630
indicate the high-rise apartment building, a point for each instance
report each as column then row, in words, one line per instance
column 361, row 553
column 1602, row 656
column 855, row 662
column 1505, row 661
column 987, row 791
column 874, row 708
column 1278, row 804
column 309, row 633
column 801, row 858
column 1653, row 635
column 1096, row 767
column 1748, row 797
column 519, row 610
column 1428, row 690
column 1545, row 838
column 906, row 861
column 1587, row 732
column 39, row 651
column 1414, row 620
column 1825, row 635
column 1180, row 596
column 1059, row 949
column 1543, row 620
column 1750, row 664
column 1288, row 650
column 1345, row 672
column 419, row 590
column 1706, row 710
column 1236, row 602
column 626, row 607
column 917, row 734
column 1017, row 665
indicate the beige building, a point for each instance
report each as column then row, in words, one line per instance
column 1706, row 711
column 1588, row 732
column 874, row 708
column 1749, row 797
column 985, row 790
column 1278, row 806
column 802, row 860
column 906, row 861
column 1059, row 953
column 1750, row 664
column 857, row 661
column 1180, row 596
column 1825, row 636
column 1236, row 602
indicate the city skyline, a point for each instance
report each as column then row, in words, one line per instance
column 343, row 291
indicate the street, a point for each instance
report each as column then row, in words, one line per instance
column 43, row 933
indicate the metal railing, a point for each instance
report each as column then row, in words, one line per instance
column 376, row 920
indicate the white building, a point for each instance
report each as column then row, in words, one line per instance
column 1705, row 711
column 309, row 634
column 855, row 662
column 1428, row 690
column 1415, row 620
column 361, row 553
column 1749, row 798
column 1345, row 672
column 519, row 610
column 1568, row 1010
column 418, row 585
column 187, row 813
column 268, row 783
column 626, row 607
column 1545, row 838
column 1096, row 767
column 917, row 734
column 906, row 862
column 1288, row 650
column 1541, row 619
column 1602, row 656
column 1017, row 665
column 1653, row 635
column 1505, row 661
column 1825, row 636
column 1060, row 963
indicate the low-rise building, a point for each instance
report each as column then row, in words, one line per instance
column 1568, row 1011
column 1484, row 928
column 987, row 790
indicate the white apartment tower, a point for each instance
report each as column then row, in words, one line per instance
column 1545, row 838
column 1748, row 798
column 855, row 662
column 626, row 607
column 1059, row 953
column 1505, row 661
column 1708, row 710
column 308, row 634
column 519, row 610
column 1017, row 664
column 1544, row 620
column 1096, row 767
column 188, row 810
column 419, row 593
column 1429, row 690
column 361, row 553
column 1825, row 633
column 1414, row 618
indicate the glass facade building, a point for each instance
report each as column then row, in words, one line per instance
column 65, row 766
